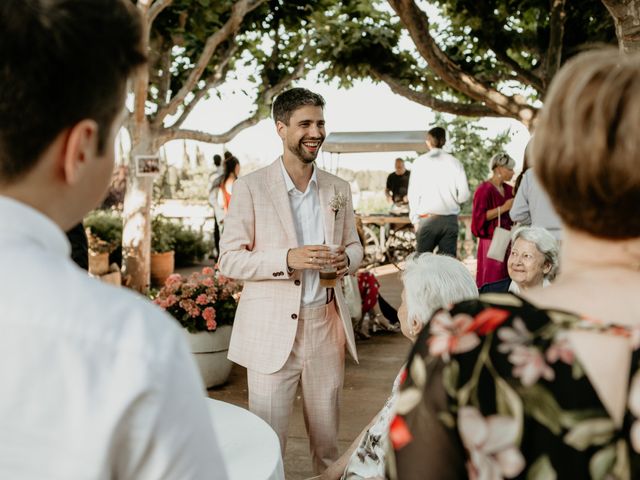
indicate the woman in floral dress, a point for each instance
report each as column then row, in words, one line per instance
column 520, row 386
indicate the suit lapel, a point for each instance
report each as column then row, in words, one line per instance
column 280, row 198
column 326, row 190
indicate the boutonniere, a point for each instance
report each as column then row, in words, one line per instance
column 337, row 203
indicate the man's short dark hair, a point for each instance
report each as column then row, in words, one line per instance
column 438, row 136
column 289, row 101
column 217, row 160
column 61, row 61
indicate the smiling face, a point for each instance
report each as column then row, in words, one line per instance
column 526, row 264
column 305, row 133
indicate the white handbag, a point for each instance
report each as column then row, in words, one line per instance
column 499, row 243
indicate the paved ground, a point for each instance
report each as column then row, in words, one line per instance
column 366, row 385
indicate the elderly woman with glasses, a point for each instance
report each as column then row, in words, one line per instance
column 533, row 261
column 430, row 282
column 491, row 204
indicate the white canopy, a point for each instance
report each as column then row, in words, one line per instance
column 357, row 142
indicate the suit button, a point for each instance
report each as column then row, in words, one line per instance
column 280, row 273
column 296, row 283
column 275, row 274
column 294, row 316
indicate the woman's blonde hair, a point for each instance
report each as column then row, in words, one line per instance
column 586, row 148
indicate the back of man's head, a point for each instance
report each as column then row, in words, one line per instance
column 61, row 62
column 217, row 160
column 437, row 137
column 290, row 100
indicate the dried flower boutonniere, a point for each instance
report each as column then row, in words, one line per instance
column 337, row 203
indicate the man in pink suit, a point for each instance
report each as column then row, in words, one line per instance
column 288, row 329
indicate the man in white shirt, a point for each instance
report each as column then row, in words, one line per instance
column 288, row 328
column 437, row 187
column 97, row 382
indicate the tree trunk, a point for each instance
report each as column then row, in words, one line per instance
column 626, row 15
column 136, row 235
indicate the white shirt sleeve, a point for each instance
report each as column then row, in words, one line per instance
column 413, row 194
column 462, row 185
column 168, row 434
column 519, row 211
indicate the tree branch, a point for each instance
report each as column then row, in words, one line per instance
column 216, row 78
column 263, row 100
column 423, row 98
column 556, row 37
column 238, row 12
column 155, row 9
column 417, row 23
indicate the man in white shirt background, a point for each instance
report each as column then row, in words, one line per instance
column 437, row 187
column 97, row 382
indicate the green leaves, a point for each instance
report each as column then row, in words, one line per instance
column 593, row 432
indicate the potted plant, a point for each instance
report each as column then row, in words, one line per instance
column 162, row 254
column 204, row 303
column 189, row 245
column 98, row 254
column 106, row 225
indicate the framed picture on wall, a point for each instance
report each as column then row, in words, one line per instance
column 147, row 165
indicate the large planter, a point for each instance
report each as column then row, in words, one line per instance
column 210, row 351
column 162, row 265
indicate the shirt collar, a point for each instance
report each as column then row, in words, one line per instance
column 289, row 183
column 20, row 220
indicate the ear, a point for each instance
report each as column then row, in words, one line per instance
column 81, row 146
column 281, row 128
column 546, row 268
column 416, row 326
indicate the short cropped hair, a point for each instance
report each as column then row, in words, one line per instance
column 61, row 61
column 435, row 281
column 501, row 160
column 546, row 244
column 585, row 150
column 290, row 100
column 438, row 136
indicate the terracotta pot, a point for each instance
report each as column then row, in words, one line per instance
column 162, row 265
column 98, row 263
column 210, row 352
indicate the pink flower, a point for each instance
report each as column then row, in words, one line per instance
column 451, row 335
column 209, row 314
column 208, row 282
column 560, row 349
column 202, row 299
column 491, row 444
column 529, row 365
column 514, row 337
column 195, row 312
column 207, row 271
column 171, row 300
column 173, row 279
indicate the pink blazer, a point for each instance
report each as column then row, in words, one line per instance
column 258, row 232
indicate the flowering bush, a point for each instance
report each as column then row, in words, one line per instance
column 201, row 301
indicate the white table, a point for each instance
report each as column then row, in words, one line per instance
column 250, row 447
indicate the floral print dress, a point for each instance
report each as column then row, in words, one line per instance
column 494, row 389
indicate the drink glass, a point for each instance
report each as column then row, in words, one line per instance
column 329, row 273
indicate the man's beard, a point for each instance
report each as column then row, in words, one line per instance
column 302, row 153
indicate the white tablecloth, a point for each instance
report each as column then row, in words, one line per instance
column 249, row 445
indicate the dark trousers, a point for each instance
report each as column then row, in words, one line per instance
column 438, row 231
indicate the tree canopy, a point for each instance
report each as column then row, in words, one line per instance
column 489, row 58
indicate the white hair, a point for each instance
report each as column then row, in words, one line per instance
column 501, row 160
column 435, row 281
column 546, row 244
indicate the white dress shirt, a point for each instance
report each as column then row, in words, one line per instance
column 97, row 382
column 437, row 186
column 307, row 216
column 532, row 206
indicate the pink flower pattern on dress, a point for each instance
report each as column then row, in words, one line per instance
column 561, row 350
column 451, row 335
column 529, row 365
column 491, row 443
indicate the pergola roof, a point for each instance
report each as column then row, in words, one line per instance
column 357, row 142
